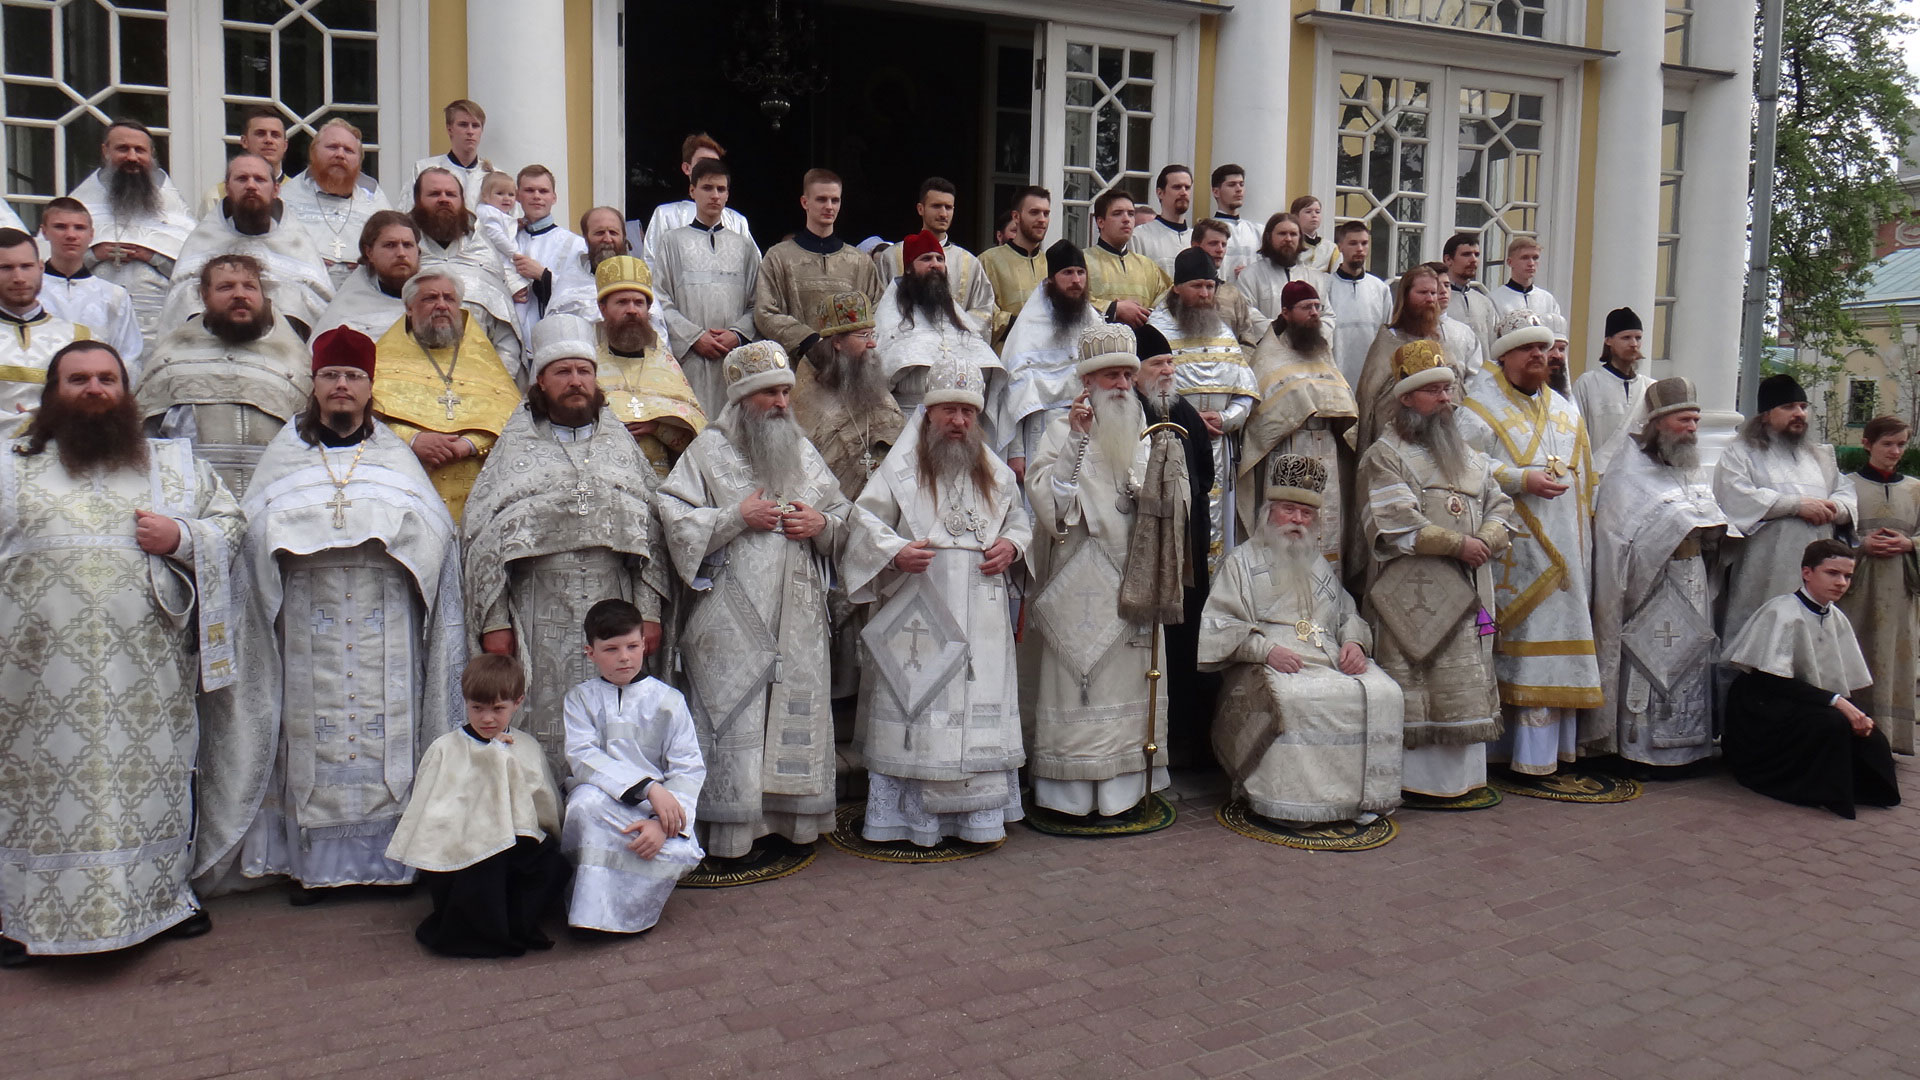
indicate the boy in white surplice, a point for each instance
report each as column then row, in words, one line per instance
column 637, row 773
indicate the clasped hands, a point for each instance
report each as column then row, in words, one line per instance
column 802, row 522
column 1353, row 659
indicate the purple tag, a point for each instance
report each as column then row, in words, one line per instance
column 1483, row 622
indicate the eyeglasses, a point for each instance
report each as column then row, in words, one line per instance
column 350, row 375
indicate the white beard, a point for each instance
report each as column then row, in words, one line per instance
column 1117, row 424
column 1292, row 559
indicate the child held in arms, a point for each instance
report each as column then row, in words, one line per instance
column 500, row 227
column 481, row 825
column 637, row 773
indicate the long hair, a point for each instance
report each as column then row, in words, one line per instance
column 309, row 424
column 933, row 448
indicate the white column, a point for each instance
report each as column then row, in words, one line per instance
column 1252, row 63
column 1626, row 173
column 1713, row 219
column 517, row 71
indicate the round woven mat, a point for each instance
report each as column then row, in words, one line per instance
column 1152, row 815
column 1331, row 836
column 772, row 857
column 1479, row 798
column 846, row 836
column 1564, row 786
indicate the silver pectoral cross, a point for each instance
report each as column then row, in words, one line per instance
column 449, row 399
column 582, row 496
column 339, row 250
column 633, row 406
column 338, row 504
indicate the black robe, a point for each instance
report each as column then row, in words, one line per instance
column 1784, row 740
column 1190, row 692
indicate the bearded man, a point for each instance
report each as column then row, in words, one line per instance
column 333, row 200
column 967, row 283
column 1432, row 517
column 753, row 520
column 1420, row 306
column 1041, row 350
column 451, row 242
column 1211, row 372
column 441, row 387
column 917, row 323
column 1305, row 409
column 229, row 380
column 114, row 592
column 140, row 221
column 1309, row 730
column 943, row 754
column 844, row 404
column 34, row 334
column 1557, row 366
column 251, row 222
column 1248, row 322
column 1782, row 491
column 645, row 388
column 605, row 232
column 1279, row 265
column 263, row 133
column 1657, row 529
column 1090, row 715
column 1544, row 656
column 369, row 300
column 558, row 521
column 349, row 559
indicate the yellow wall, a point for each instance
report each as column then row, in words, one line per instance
column 1300, row 111
column 446, row 62
column 1203, row 123
column 1581, row 355
column 579, row 76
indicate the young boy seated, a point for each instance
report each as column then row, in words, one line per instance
column 636, row 781
column 481, row 825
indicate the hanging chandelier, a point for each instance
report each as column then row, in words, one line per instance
column 770, row 62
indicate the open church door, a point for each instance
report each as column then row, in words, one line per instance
column 1106, row 101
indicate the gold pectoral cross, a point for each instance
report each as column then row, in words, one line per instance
column 1308, row 630
column 1556, row 467
column 338, row 504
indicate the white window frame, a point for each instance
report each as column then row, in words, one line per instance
column 1565, row 24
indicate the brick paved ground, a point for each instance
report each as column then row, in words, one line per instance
column 1701, row 931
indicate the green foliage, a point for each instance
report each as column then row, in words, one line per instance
column 1851, row 458
column 1845, row 100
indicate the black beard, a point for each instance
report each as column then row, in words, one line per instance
column 543, row 407
column 1557, row 378
column 927, row 295
column 90, row 438
column 443, row 226
column 237, row 333
column 132, row 193
column 343, row 421
column 1305, row 336
column 1068, row 311
column 250, row 220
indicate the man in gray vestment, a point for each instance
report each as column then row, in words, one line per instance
column 753, row 519
column 705, row 274
column 558, row 521
column 351, row 567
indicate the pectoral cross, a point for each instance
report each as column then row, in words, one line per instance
column 449, row 399
column 633, row 406
column 1308, row 630
column 582, row 494
column 915, row 630
column 1556, row 468
column 866, row 460
column 338, row 504
column 339, row 251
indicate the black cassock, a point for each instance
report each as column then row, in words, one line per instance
column 1191, row 693
column 493, row 907
column 1785, row 740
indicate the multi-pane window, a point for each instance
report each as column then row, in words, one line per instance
column 1109, row 130
column 1380, row 164
column 1863, row 401
column 1666, row 281
column 1497, row 193
column 69, row 68
column 1679, row 27
column 311, row 59
column 1522, row 18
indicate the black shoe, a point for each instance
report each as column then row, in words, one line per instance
column 301, row 896
column 13, row 954
column 197, row 924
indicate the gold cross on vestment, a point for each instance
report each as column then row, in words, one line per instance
column 338, row 504
column 449, row 399
column 1556, row 467
column 1308, row 630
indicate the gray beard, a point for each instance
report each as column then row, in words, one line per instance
column 1193, row 321
column 1117, row 425
column 770, row 442
column 1678, row 451
column 132, row 195
column 600, row 253
column 951, row 462
column 1438, row 435
column 434, row 337
column 1761, row 436
column 1161, row 398
column 1292, row 560
column 861, row 385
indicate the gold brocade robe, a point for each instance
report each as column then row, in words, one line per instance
column 853, row 446
column 1123, row 276
column 1014, row 275
column 411, row 397
column 651, row 386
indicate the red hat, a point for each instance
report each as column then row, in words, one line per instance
column 343, row 346
column 1296, row 291
column 920, row 243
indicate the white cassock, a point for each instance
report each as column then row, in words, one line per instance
column 11, row 220
column 1364, row 304
column 102, row 307
column 1509, row 297
column 705, row 280
column 26, row 348
column 1316, row 744
column 617, row 737
column 351, row 573
column 295, row 277
column 334, row 222
column 228, row 400
column 673, row 215
column 1760, row 490
column 940, row 735
column 567, row 285
column 163, row 232
column 906, row 349
column 1090, row 708
column 363, row 305
column 470, row 177
column 1613, row 407
column 1243, row 245
column 967, row 280
column 1212, row 373
column 1263, row 280
column 1473, row 305
column 1163, row 241
column 1042, row 381
column 1320, row 252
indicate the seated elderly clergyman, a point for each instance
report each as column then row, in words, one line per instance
column 1309, row 728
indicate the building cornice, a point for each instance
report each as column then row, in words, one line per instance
column 1416, row 36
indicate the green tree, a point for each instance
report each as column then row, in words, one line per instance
column 1846, row 100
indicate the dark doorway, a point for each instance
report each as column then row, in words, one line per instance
column 906, row 98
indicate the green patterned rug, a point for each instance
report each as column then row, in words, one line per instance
column 1331, row 836
column 1152, row 815
column 1480, row 798
column 1566, row 786
column 846, row 836
column 772, row 857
